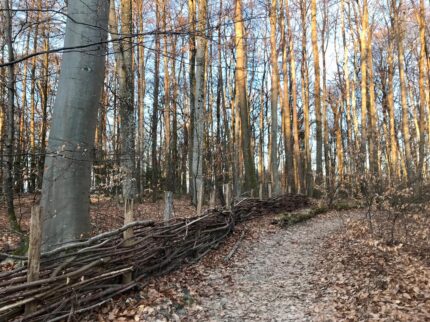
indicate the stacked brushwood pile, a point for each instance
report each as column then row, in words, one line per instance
column 80, row 276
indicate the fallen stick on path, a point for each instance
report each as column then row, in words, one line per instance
column 235, row 247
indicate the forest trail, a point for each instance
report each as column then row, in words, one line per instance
column 273, row 282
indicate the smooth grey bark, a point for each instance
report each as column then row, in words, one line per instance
column 66, row 181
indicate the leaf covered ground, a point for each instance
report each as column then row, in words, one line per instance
column 338, row 266
column 365, row 276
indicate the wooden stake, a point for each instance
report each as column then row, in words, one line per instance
column 227, row 189
column 212, row 198
column 34, row 251
column 128, row 234
column 199, row 197
column 269, row 189
column 168, row 205
column 261, row 191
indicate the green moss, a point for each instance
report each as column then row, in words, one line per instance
column 345, row 204
column 22, row 247
column 292, row 218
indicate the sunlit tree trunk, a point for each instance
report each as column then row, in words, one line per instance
column 274, row 96
column 363, row 58
column 44, row 92
column 422, row 85
column 403, row 88
column 394, row 166
column 286, row 108
column 250, row 181
column 373, row 118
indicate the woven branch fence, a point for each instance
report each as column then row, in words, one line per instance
column 81, row 276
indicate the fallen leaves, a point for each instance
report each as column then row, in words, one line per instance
column 366, row 278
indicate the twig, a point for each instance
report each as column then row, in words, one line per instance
column 235, row 247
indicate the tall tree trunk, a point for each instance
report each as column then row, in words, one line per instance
column 20, row 137
column 66, row 182
column 403, row 89
column 373, row 117
column 329, row 175
column 44, row 91
column 422, row 85
column 141, row 85
column 167, row 104
column 250, row 181
column 317, row 92
column 154, row 118
column 363, row 57
column 124, row 66
column 34, row 158
column 9, row 119
column 286, row 108
column 347, row 98
column 394, row 166
column 192, row 84
column 199, row 114
column 274, row 95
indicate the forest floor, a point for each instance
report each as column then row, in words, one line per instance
column 336, row 266
column 106, row 214
column 326, row 269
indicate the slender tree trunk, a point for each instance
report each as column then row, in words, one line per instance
column 348, row 107
column 199, row 113
column 329, row 175
column 66, row 182
column 167, row 105
column 250, row 181
column 403, row 89
column 141, row 104
column 286, row 108
column 274, row 96
column 44, row 90
column 261, row 174
column 192, row 84
column 317, row 92
column 422, row 85
column 395, row 169
column 34, row 158
column 9, row 119
column 154, row 118
column 19, row 187
column 373, row 118
column 363, row 57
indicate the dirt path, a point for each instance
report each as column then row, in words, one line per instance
column 273, row 282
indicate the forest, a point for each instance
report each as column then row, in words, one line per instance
column 153, row 149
